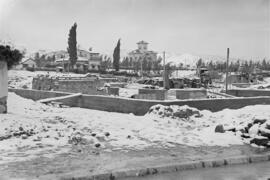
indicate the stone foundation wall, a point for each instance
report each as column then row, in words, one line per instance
column 157, row 94
column 137, row 106
column 161, row 94
column 43, row 83
column 248, row 92
column 81, row 86
column 191, row 93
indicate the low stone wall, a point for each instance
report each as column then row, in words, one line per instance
column 83, row 85
column 191, row 93
column 158, row 94
column 137, row 106
column 161, row 94
column 37, row 94
column 248, row 92
column 43, row 83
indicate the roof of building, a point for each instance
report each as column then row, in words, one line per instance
column 67, row 59
column 80, row 59
column 27, row 59
column 142, row 42
column 137, row 51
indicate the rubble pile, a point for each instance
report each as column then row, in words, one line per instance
column 255, row 131
column 174, row 111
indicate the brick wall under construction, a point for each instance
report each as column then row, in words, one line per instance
column 74, row 85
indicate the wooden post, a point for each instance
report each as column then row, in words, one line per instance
column 227, row 66
column 63, row 64
column 141, row 67
column 164, row 71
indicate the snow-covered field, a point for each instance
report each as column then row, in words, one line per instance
column 32, row 129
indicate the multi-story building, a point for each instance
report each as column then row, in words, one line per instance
column 142, row 52
column 86, row 60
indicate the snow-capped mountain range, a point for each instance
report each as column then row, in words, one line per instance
column 191, row 59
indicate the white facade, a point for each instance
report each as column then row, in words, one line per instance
column 142, row 51
column 94, row 61
column 142, row 46
column 86, row 60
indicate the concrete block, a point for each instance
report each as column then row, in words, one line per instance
column 249, row 92
column 105, row 176
column 189, row 165
column 146, row 96
column 259, row 158
column 166, row 169
column 213, row 163
column 131, row 173
column 119, row 174
column 191, row 94
column 158, row 93
column 237, row 160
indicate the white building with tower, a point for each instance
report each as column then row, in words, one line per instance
column 142, row 52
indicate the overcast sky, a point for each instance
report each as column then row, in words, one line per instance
column 179, row 26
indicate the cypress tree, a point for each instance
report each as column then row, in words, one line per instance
column 72, row 45
column 116, row 56
column 10, row 56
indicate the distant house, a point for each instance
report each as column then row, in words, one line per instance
column 86, row 61
column 142, row 52
column 28, row 63
column 94, row 61
column 81, row 64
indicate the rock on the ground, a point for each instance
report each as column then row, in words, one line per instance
column 5, row 137
column 174, row 111
column 97, row 145
column 260, row 141
column 100, row 138
column 24, row 136
column 267, row 125
column 254, row 129
column 259, row 121
column 265, row 132
column 219, row 129
column 2, row 109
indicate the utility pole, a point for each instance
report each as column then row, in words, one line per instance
column 63, row 66
column 227, row 65
column 141, row 67
column 164, row 71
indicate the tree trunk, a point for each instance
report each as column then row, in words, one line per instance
column 3, row 87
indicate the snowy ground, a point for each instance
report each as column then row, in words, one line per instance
column 31, row 129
